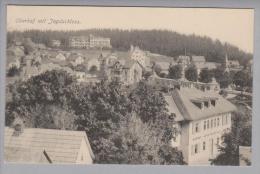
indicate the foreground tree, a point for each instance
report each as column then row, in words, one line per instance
column 32, row 96
column 142, row 145
column 240, row 135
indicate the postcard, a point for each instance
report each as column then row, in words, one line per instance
column 128, row 85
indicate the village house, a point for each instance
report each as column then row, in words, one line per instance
column 60, row 57
column 76, row 59
column 80, row 76
column 92, row 64
column 202, row 117
column 184, row 60
column 139, row 55
column 13, row 61
column 198, row 60
column 163, row 66
column 46, row 146
column 17, row 51
column 28, row 69
column 128, row 72
column 55, row 43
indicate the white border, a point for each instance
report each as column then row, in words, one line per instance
column 138, row 169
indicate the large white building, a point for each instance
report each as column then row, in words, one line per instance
column 90, row 41
column 202, row 118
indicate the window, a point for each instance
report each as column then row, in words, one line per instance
column 197, row 127
column 213, row 102
column 205, row 125
column 196, row 149
column 217, row 122
column 227, row 117
column 206, row 104
column 204, row 145
column 211, row 123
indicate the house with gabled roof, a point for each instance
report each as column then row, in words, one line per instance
column 202, row 117
column 127, row 71
column 60, row 57
column 35, row 145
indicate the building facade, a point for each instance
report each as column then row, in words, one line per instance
column 90, row 41
column 139, row 55
column 128, row 72
column 202, row 118
column 56, row 43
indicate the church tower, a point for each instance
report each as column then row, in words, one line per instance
column 225, row 64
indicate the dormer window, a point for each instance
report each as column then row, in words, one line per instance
column 206, row 104
column 198, row 104
column 213, row 102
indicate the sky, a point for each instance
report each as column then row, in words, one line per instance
column 235, row 26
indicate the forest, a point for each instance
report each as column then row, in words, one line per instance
column 163, row 42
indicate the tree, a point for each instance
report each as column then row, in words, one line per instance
column 28, row 45
column 191, row 74
column 175, row 72
column 147, row 74
column 157, row 68
column 240, row 135
column 205, row 76
column 241, row 79
column 28, row 97
column 142, row 145
column 93, row 69
column 13, row 71
column 229, row 151
column 222, row 77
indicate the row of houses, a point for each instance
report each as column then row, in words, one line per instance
column 199, row 62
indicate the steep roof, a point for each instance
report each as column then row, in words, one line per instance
column 184, row 98
column 62, row 146
column 21, row 154
column 172, row 108
column 198, row 58
column 163, row 65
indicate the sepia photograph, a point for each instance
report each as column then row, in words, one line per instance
column 128, row 85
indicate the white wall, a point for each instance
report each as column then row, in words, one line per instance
column 84, row 156
column 189, row 138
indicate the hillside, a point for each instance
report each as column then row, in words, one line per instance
column 157, row 41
